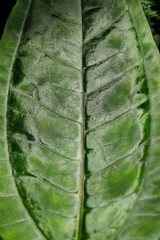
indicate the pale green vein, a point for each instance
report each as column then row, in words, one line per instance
column 113, row 201
column 107, row 27
column 48, row 182
column 59, row 214
column 55, row 58
column 112, row 81
column 67, row 89
column 59, row 16
column 42, row 105
column 14, row 223
column 113, row 163
column 96, row 64
column 45, row 146
column 107, row 122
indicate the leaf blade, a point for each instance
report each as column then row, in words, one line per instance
column 49, row 142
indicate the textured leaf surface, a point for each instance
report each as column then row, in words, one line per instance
column 79, row 113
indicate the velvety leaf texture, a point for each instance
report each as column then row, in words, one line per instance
column 79, row 122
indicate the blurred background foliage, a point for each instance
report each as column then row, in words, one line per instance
column 152, row 11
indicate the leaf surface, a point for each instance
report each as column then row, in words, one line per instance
column 79, row 101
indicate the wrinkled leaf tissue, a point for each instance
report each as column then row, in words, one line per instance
column 79, row 121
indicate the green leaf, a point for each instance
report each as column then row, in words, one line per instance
column 79, row 122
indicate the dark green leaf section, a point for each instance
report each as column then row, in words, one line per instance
column 15, row 222
column 71, row 69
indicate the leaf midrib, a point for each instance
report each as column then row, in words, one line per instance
column 81, row 197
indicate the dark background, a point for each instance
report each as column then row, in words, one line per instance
column 5, row 9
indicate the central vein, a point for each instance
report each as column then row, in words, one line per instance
column 81, row 191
